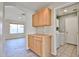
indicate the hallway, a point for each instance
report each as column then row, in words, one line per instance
column 16, row 48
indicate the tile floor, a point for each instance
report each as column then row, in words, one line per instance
column 16, row 48
column 67, row 50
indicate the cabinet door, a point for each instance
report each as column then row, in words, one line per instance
column 35, row 20
column 35, row 45
column 47, row 16
column 30, row 42
column 41, row 18
column 38, row 46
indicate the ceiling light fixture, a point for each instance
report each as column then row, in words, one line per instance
column 65, row 10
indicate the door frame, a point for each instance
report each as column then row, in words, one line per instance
column 55, row 9
column 78, row 36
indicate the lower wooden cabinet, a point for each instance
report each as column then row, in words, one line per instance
column 40, row 44
column 30, row 42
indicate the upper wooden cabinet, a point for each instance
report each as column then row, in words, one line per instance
column 35, row 21
column 42, row 18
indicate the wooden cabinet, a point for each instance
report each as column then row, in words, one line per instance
column 35, row 20
column 30, row 44
column 47, row 17
column 40, row 44
column 42, row 18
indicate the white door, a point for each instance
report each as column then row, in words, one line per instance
column 71, row 28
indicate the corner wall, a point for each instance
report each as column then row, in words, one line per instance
column 29, row 28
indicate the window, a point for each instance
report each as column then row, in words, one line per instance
column 16, row 28
column 20, row 28
column 13, row 28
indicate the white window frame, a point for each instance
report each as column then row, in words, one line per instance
column 17, row 29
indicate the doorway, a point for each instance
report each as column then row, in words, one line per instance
column 68, row 44
column 71, row 28
column 67, row 31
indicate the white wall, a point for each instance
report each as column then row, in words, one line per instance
column 29, row 28
column 1, row 30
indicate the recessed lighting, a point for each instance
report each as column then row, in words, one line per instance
column 65, row 10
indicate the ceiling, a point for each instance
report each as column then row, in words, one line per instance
column 14, row 10
column 68, row 9
column 13, row 13
column 33, row 6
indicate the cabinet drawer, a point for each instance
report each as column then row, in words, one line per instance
column 38, row 38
